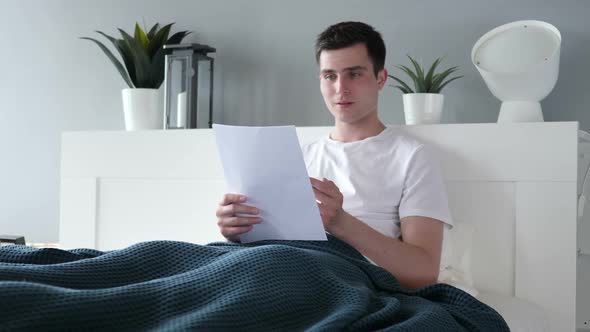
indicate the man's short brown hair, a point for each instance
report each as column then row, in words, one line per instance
column 346, row 34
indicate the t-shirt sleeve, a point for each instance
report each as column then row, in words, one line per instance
column 424, row 193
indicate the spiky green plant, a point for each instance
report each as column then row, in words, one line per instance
column 429, row 83
column 142, row 54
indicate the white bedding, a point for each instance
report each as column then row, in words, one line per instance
column 520, row 315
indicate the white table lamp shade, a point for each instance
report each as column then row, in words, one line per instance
column 519, row 63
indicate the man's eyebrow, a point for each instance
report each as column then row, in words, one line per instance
column 353, row 68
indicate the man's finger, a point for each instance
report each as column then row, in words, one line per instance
column 232, row 209
column 328, row 188
column 322, row 197
column 331, row 192
column 315, row 182
column 331, row 187
column 232, row 198
column 240, row 221
column 318, row 184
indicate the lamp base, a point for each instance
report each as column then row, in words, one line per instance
column 520, row 111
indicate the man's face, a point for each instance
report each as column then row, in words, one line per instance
column 348, row 84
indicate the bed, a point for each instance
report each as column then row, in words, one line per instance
column 512, row 191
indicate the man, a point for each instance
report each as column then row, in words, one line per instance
column 379, row 191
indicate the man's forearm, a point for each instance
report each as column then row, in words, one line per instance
column 411, row 265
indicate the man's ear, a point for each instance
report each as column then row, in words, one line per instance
column 381, row 77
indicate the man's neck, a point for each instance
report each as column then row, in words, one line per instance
column 346, row 132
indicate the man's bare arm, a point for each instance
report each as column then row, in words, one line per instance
column 415, row 261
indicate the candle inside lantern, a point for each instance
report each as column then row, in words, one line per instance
column 181, row 110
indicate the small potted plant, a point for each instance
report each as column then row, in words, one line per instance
column 424, row 103
column 142, row 70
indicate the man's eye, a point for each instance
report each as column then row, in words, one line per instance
column 355, row 74
column 330, row 77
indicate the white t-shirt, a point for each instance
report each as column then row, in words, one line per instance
column 383, row 178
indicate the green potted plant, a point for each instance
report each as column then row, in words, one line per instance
column 424, row 103
column 142, row 69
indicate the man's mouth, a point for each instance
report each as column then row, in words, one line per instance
column 344, row 103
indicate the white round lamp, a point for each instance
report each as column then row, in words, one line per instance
column 519, row 63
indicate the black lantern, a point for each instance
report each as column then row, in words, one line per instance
column 188, row 86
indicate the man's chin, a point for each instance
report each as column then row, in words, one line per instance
column 342, row 112
column 347, row 119
column 348, row 116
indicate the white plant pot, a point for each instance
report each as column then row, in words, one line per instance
column 422, row 108
column 142, row 109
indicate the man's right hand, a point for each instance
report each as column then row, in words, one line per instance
column 231, row 225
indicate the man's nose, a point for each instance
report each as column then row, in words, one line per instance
column 342, row 86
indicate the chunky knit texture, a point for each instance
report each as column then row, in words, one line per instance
column 263, row 286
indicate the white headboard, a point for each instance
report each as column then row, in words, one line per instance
column 515, row 183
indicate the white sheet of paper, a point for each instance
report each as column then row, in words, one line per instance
column 266, row 165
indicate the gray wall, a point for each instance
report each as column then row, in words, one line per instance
column 50, row 81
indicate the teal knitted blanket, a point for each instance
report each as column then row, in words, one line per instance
column 263, row 286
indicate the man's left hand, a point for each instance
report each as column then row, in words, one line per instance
column 330, row 201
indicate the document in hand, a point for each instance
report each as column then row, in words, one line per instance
column 266, row 165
